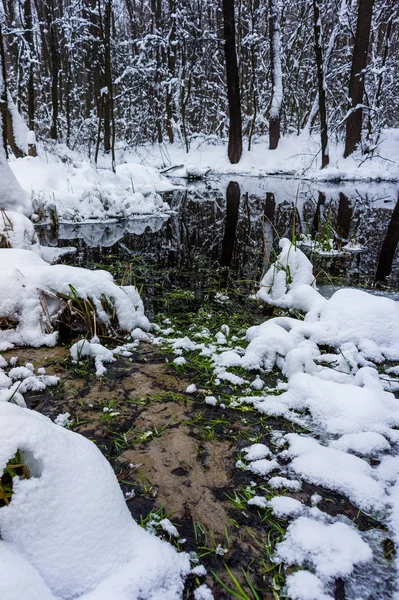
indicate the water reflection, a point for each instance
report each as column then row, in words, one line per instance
column 237, row 224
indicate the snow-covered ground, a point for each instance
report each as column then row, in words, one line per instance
column 65, row 186
column 296, row 156
column 67, row 532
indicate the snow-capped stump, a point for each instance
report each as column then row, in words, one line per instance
column 68, row 525
column 35, row 297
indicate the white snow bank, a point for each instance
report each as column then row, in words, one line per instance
column 25, row 278
column 336, row 408
column 68, row 526
column 75, row 190
column 296, row 155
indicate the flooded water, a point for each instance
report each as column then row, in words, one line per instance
column 226, row 231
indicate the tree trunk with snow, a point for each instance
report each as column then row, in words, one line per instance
column 325, row 158
column 276, row 74
column 356, row 84
column 233, row 83
column 12, row 196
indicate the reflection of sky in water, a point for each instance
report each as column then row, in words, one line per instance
column 108, row 234
column 201, row 225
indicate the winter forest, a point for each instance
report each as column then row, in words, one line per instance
column 199, row 299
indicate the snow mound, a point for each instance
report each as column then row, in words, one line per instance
column 28, row 297
column 333, row 550
column 336, row 470
column 74, row 190
column 68, row 526
column 289, row 281
column 17, row 231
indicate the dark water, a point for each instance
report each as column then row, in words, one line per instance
column 224, row 233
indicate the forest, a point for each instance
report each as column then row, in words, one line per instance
column 199, row 299
column 100, row 74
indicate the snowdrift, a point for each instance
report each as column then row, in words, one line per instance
column 67, row 528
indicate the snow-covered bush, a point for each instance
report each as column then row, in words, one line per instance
column 289, row 282
column 17, row 231
column 34, row 296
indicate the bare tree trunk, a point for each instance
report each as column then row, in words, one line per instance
column 325, row 158
column 389, row 246
column 276, row 74
column 28, row 34
column 54, row 50
column 232, row 210
column 326, row 62
column 171, row 68
column 108, row 112
column 233, row 83
column 356, row 84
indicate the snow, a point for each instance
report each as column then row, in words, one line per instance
column 365, row 443
column 20, row 379
column 17, row 231
column 332, row 549
column 289, row 272
column 347, row 474
column 284, row 506
column 28, row 295
column 304, row 585
column 191, row 389
column 64, row 519
column 203, row 592
column 262, row 466
column 101, row 354
column 278, row 482
column 296, row 155
column 256, row 452
column 12, row 196
column 75, row 190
